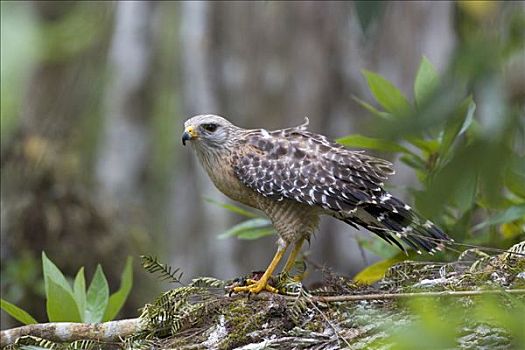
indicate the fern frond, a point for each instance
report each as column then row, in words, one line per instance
column 165, row 272
column 207, row 282
column 180, row 308
column 298, row 306
column 83, row 345
column 139, row 341
column 32, row 341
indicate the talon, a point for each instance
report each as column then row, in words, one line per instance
column 255, row 287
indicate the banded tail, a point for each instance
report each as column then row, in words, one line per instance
column 395, row 221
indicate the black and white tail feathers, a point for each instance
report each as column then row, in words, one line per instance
column 394, row 221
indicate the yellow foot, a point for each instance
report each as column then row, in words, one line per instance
column 255, row 287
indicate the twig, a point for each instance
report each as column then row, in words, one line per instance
column 69, row 331
column 336, row 331
column 389, row 296
column 284, row 341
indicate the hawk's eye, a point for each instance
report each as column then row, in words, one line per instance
column 209, row 127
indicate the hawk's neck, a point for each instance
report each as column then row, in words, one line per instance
column 219, row 167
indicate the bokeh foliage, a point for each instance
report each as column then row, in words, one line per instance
column 466, row 127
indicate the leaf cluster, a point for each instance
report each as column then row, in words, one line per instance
column 471, row 173
column 66, row 303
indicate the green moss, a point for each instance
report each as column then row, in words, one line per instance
column 242, row 318
column 314, row 326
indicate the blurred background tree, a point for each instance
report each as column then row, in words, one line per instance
column 93, row 96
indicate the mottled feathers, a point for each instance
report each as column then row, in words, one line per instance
column 302, row 166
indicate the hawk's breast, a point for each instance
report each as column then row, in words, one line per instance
column 222, row 174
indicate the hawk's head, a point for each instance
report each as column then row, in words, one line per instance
column 208, row 132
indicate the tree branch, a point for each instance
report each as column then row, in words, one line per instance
column 69, row 331
column 389, row 296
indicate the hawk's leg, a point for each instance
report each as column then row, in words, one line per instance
column 293, row 255
column 262, row 284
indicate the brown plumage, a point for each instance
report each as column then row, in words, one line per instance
column 294, row 176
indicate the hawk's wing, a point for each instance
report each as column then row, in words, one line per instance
column 299, row 165
column 308, row 168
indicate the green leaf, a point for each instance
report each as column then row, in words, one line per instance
column 256, row 233
column 511, row 230
column 79, row 292
column 515, row 178
column 360, row 141
column 469, row 115
column 368, row 12
column 61, row 305
column 250, row 229
column 52, row 273
column 377, row 246
column 117, row 299
column 414, row 162
column 372, row 109
column 426, row 81
column 513, row 213
column 17, row 313
column 376, row 271
column 457, row 125
column 387, row 95
column 97, row 297
column 465, row 195
column 427, row 146
column 233, row 208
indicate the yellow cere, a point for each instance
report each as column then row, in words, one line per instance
column 191, row 130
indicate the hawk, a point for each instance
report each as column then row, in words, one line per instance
column 294, row 176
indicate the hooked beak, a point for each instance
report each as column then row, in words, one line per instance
column 189, row 134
